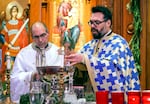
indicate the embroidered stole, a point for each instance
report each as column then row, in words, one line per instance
column 90, row 70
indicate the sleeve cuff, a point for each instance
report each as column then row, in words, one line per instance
column 83, row 58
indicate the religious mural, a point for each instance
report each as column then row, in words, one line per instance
column 13, row 37
column 68, row 22
column 69, row 28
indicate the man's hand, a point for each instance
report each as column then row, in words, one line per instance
column 35, row 76
column 74, row 58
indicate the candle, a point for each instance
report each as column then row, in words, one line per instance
column 146, row 97
column 134, row 97
column 117, row 97
column 102, row 97
column 8, row 60
column 62, row 56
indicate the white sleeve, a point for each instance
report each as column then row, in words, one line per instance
column 19, row 79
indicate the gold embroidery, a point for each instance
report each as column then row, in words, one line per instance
column 99, row 44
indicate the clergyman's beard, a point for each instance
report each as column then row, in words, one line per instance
column 97, row 34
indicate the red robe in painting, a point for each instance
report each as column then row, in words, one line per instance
column 12, row 27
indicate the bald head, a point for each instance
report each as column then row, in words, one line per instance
column 38, row 25
column 40, row 34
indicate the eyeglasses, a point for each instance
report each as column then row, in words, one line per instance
column 96, row 22
column 40, row 36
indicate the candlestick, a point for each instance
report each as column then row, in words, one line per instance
column 62, row 55
column 8, row 60
column 0, row 58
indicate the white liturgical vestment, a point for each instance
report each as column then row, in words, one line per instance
column 25, row 64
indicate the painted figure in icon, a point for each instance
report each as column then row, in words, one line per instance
column 10, row 31
column 68, row 23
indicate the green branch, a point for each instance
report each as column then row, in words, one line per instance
column 134, row 7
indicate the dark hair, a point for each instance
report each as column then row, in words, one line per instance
column 107, row 13
column 13, row 8
column 26, row 11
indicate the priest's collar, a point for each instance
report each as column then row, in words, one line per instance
column 108, row 33
column 47, row 47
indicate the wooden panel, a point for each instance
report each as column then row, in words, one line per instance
column 147, row 26
column 143, row 48
column 51, row 20
column 98, row 2
column 127, row 21
column 44, row 12
column 35, row 11
column 121, row 16
column 117, row 17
